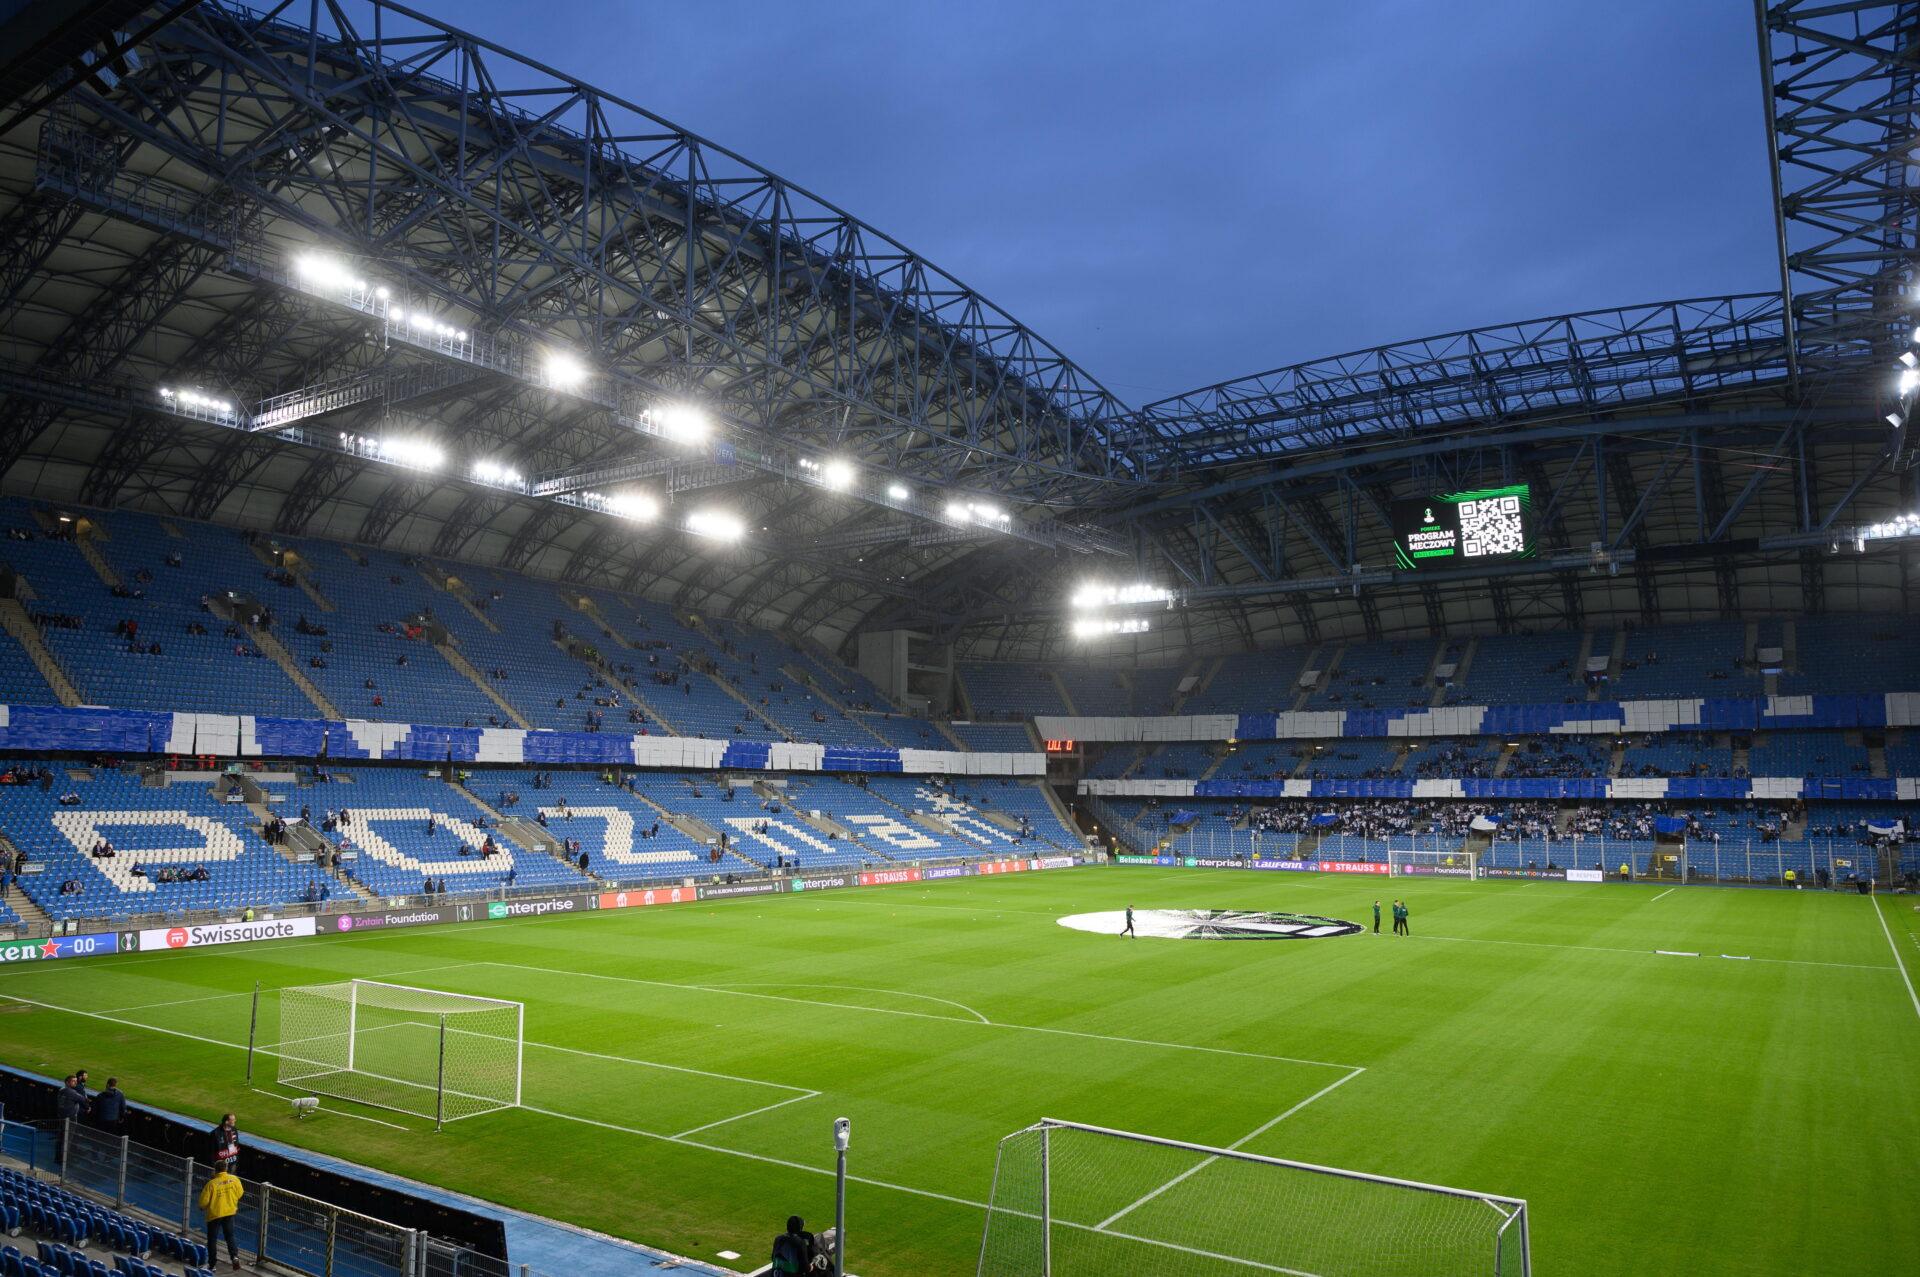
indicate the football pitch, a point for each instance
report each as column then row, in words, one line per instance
column 1708, row 1081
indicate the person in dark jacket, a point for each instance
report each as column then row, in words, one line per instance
column 224, row 1141
column 793, row 1249
column 72, row 1101
column 110, row 1108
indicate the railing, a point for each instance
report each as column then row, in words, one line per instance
column 293, row 1231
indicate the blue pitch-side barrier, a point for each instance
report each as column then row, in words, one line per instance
column 1900, row 789
column 1581, row 718
column 56, row 729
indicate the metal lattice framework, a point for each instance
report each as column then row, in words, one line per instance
column 1695, row 457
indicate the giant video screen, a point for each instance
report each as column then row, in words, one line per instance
column 1458, row 529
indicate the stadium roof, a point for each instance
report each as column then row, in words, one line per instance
column 344, row 247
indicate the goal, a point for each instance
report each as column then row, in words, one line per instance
column 1071, row 1200
column 440, row 1055
column 1440, row 864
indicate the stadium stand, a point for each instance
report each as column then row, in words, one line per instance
column 1011, row 691
column 1376, row 676
column 406, row 828
column 1807, row 754
column 1685, row 660
column 1852, row 654
column 124, row 849
column 1521, row 669
column 1250, row 681
column 994, row 737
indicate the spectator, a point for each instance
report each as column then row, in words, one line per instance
column 110, row 1108
column 72, row 1100
column 220, row 1202
column 224, row 1141
column 793, row 1249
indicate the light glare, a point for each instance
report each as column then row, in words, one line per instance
column 717, row 525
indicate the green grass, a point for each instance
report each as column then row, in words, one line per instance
column 1660, row 1114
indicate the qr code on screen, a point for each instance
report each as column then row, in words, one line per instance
column 1492, row 525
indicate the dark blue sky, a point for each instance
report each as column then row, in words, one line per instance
column 1175, row 194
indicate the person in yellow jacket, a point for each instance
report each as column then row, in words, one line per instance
column 220, row 1201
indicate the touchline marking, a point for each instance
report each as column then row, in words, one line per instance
column 1199, row 1166
column 1676, row 953
column 920, row 1015
column 768, row 1108
column 721, row 1149
column 1669, row 891
column 1898, row 960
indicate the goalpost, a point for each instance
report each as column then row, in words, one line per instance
column 1071, row 1200
column 1441, row 864
column 421, row 1051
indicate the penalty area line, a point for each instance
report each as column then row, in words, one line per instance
column 1899, row 961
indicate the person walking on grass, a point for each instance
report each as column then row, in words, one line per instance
column 1376, row 918
column 220, row 1202
column 1128, row 931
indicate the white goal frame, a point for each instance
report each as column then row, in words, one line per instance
column 317, row 1062
column 1035, row 1223
column 1443, row 860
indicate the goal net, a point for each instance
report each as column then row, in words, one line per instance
column 1434, row 864
column 440, row 1055
column 1071, row 1200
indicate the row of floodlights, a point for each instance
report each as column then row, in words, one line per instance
column 638, row 507
column 566, row 372
column 1099, row 594
column 1904, row 525
column 195, row 399
column 1087, row 627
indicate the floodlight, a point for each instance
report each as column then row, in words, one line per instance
column 987, row 512
column 1908, row 380
column 411, row 452
column 381, row 292
column 563, row 371
column 492, row 472
column 838, row 474
column 898, row 491
column 959, row 513
column 1909, row 360
column 716, row 524
column 682, row 422
column 637, row 506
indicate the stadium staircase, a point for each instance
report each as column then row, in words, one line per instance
column 719, row 679
column 1206, row 677
column 1461, row 668
column 293, row 565
column 1220, row 756
column 692, row 826
column 1332, row 652
column 447, row 583
column 463, row 667
column 925, row 819
column 18, row 623
column 1067, row 821
column 1617, row 760
column 83, row 540
column 1509, row 750
column 1742, row 748
column 589, row 656
column 1580, row 660
column 525, row 834
column 274, row 650
column 1876, row 758
column 808, row 680
column 302, row 845
column 1066, row 697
